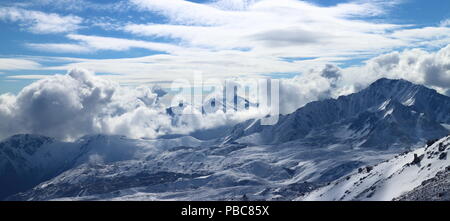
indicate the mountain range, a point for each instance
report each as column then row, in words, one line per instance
column 310, row 154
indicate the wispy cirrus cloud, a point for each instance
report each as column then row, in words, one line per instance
column 92, row 43
column 39, row 22
column 59, row 48
column 120, row 44
column 18, row 64
column 74, row 5
column 27, row 76
column 285, row 28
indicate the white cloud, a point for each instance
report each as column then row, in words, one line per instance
column 185, row 12
column 265, row 25
column 253, row 37
column 244, row 37
column 59, row 48
column 68, row 106
column 18, row 64
column 79, row 103
column 428, row 68
column 445, row 23
column 79, row 5
column 89, row 43
column 428, row 36
column 40, row 22
column 118, row 44
column 27, row 76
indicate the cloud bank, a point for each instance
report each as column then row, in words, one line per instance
column 78, row 103
column 417, row 65
column 75, row 104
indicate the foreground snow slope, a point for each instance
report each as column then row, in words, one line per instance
column 389, row 179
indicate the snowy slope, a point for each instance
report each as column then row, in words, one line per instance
column 185, row 168
column 389, row 179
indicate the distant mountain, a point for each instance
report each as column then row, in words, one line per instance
column 386, row 114
column 214, row 104
column 416, row 175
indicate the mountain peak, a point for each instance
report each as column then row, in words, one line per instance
column 385, row 80
column 397, row 109
column 393, row 86
column 399, row 89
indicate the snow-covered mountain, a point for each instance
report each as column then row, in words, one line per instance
column 309, row 149
column 404, row 177
column 387, row 113
column 213, row 104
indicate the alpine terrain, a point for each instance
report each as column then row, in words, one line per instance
column 370, row 145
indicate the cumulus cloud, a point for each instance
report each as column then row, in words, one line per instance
column 67, row 106
column 296, row 92
column 40, row 22
column 79, row 103
column 417, row 65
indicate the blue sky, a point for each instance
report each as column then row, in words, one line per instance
column 146, row 41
